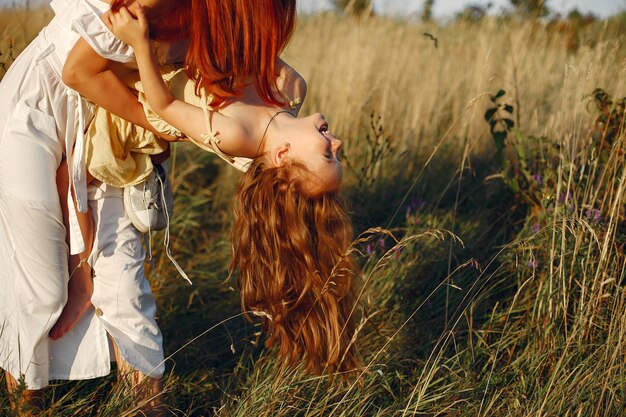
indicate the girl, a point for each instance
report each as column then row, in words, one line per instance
column 290, row 235
column 217, row 27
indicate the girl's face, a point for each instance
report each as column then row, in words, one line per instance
column 313, row 144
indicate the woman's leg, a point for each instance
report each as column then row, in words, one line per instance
column 33, row 251
column 80, row 285
column 24, row 402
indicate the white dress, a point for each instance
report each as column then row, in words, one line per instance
column 40, row 120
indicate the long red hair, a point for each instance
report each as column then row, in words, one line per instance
column 231, row 42
column 171, row 24
column 290, row 253
column 234, row 41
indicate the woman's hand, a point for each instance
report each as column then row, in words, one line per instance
column 128, row 28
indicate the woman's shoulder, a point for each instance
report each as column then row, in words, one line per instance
column 83, row 17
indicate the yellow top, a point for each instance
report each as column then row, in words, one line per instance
column 118, row 152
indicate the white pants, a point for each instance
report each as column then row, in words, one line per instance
column 122, row 297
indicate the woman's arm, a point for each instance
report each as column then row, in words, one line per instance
column 185, row 117
column 89, row 74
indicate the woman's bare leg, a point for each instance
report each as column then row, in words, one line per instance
column 24, row 402
column 80, row 285
column 147, row 390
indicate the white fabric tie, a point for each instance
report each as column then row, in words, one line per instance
column 76, row 166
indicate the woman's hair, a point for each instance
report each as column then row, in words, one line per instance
column 229, row 42
column 232, row 41
column 172, row 24
column 290, row 253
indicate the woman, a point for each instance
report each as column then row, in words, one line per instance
column 41, row 120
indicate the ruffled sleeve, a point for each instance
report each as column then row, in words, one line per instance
column 83, row 18
column 168, row 72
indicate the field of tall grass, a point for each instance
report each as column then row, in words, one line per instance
column 485, row 173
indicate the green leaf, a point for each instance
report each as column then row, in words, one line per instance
column 489, row 114
column 512, row 184
column 520, row 151
column 509, row 123
column 499, row 94
column 498, row 138
column 523, row 166
column 519, row 135
column 508, row 108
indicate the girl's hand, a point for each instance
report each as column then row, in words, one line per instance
column 129, row 29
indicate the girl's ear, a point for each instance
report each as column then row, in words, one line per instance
column 280, row 155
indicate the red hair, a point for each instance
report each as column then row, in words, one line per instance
column 234, row 40
column 171, row 24
column 230, row 42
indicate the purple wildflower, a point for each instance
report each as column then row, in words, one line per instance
column 538, row 178
column 412, row 211
column 534, row 227
column 533, row 263
column 594, row 214
column 369, row 249
column 381, row 243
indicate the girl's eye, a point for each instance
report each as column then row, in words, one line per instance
column 324, row 128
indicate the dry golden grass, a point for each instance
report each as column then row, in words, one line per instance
column 356, row 67
column 17, row 28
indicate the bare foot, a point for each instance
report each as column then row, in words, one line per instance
column 78, row 301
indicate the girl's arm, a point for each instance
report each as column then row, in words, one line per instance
column 185, row 117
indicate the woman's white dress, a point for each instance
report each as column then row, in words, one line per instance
column 41, row 119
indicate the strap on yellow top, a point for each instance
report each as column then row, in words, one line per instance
column 210, row 139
